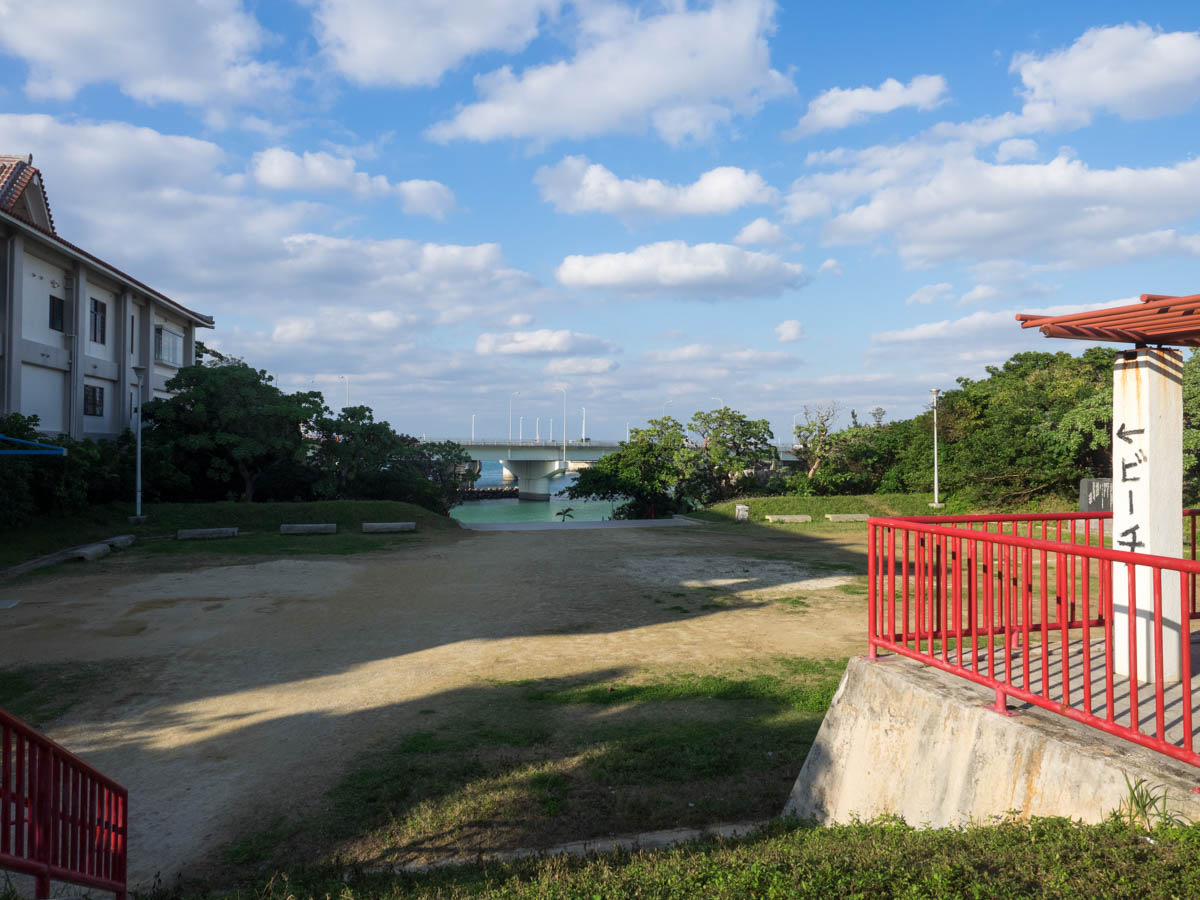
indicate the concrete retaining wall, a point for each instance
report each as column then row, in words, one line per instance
column 906, row 739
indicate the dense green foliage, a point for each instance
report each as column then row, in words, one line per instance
column 1033, row 427
column 229, row 432
column 659, row 470
column 91, row 473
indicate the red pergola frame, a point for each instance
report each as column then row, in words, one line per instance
column 1157, row 319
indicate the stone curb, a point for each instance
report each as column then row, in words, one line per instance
column 315, row 528
column 847, row 517
column 387, row 527
column 649, row 840
column 204, row 534
column 788, row 518
column 83, row 552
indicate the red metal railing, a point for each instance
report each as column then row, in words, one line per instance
column 60, row 819
column 1024, row 605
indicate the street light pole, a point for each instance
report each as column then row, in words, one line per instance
column 665, row 405
column 936, row 504
column 520, row 428
column 510, row 396
column 137, row 503
column 583, row 426
column 472, row 426
column 720, row 405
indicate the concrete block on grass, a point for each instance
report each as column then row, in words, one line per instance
column 204, row 534
column 318, row 528
column 89, row 552
column 846, row 517
column 387, row 527
column 121, row 541
column 788, row 519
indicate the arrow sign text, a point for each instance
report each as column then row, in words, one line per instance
column 1123, row 433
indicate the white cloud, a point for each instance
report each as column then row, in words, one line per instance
column 1016, row 148
column 199, row 54
column 842, row 107
column 384, row 43
column 576, row 186
column 789, row 330
column 1062, row 211
column 519, row 320
column 981, row 293
column 282, row 169
column 580, row 365
column 762, row 233
column 830, row 267
column 542, row 342
column 930, row 292
column 682, row 72
column 674, row 266
column 1134, row 71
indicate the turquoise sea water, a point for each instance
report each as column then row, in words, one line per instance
column 514, row 510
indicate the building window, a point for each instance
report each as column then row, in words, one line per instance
column 99, row 321
column 93, row 400
column 168, row 346
column 57, row 311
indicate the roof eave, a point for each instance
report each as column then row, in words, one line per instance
column 81, row 255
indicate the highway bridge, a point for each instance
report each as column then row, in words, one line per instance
column 534, row 463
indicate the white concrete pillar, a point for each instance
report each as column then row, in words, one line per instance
column 1147, row 501
column 506, row 473
column 534, row 477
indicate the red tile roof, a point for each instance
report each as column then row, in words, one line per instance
column 16, row 173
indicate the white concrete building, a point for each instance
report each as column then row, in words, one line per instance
column 76, row 331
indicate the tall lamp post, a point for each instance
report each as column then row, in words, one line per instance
column 583, row 425
column 936, row 504
column 472, row 426
column 140, row 371
column 510, row 396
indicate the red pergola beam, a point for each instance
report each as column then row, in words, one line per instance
column 1157, row 319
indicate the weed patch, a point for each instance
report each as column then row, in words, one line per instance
column 537, row 763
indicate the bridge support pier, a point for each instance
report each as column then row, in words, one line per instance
column 533, row 476
column 506, row 472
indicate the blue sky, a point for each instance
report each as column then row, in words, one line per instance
column 657, row 204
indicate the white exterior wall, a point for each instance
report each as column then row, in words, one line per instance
column 109, row 422
column 43, row 394
column 107, row 350
column 43, row 281
column 136, row 310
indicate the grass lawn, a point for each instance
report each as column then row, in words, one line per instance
column 539, row 763
column 258, row 525
column 1043, row 858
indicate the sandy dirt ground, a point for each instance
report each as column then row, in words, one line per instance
column 240, row 689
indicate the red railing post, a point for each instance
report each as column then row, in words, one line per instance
column 872, row 593
column 1001, row 611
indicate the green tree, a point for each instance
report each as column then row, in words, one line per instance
column 814, row 436
column 228, row 425
column 647, row 472
column 732, row 448
column 448, row 469
column 351, row 450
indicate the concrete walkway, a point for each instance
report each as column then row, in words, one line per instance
column 570, row 524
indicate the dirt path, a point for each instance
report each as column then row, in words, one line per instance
column 240, row 689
